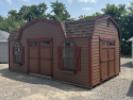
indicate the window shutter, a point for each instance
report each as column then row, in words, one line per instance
column 18, row 52
column 78, row 59
column 60, row 57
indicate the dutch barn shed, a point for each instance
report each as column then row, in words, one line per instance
column 83, row 52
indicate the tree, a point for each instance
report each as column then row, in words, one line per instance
column 115, row 11
column 122, row 14
column 16, row 19
column 90, row 17
column 59, row 12
column 10, row 24
column 32, row 12
column 13, row 14
column 1, row 19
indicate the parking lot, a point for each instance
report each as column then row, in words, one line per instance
column 18, row 86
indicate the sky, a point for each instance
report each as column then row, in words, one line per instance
column 75, row 7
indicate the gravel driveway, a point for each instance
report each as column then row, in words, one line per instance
column 16, row 86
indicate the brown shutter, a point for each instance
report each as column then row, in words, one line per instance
column 60, row 57
column 78, row 59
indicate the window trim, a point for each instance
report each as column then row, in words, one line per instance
column 77, row 56
column 109, row 42
column 22, row 55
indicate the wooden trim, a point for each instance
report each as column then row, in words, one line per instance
column 59, row 52
column 28, row 55
column 13, row 55
column 77, row 36
column 52, row 57
column 107, row 39
column 119, row 60
column 60, row 61
column 23, row 56
column 39, row 39
column 76, row 56
column 100, row 68
column 108, row 65
column 39, row 65
column 90, row 62
column 115, row 60
column 90, row 55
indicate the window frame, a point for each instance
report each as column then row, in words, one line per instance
column 18, row 45
column 77, row 57
column 108, row 42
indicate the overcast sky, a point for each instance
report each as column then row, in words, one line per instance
column 75, row 7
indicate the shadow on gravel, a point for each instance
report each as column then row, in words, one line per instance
column 130, row 91
column 129, row 65
column 40, row 81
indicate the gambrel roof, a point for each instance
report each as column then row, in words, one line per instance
column 85, row 26
column 79, row 28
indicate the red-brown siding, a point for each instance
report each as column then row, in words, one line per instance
column 85, row 34
column 101, row 30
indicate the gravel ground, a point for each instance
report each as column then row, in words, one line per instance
column 16, row 86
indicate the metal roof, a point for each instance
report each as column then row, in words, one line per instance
column 4, row 36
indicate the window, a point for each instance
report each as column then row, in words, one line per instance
column 108, row 42
column 18, row 54
column 45, row 43
column 69, row 56
column 33, row 43
column 111, row 43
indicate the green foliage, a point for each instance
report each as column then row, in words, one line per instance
column 122, row 14
column 32, row 12
column 59, row 11
column 26, row 13
column 1, row 19
column 11, row 24
column 115, row 11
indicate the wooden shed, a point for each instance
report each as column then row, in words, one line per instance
column 82, row 52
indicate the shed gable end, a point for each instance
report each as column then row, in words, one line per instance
column 42, row 29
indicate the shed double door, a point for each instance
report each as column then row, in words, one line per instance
column 40, row 57
column 107, row 59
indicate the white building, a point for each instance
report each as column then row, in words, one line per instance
column 4, row 46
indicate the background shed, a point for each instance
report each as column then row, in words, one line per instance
column 4, row 46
